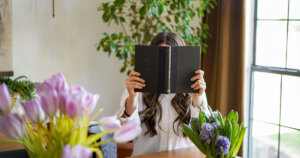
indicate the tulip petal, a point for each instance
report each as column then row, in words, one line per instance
column 109, row 123
column 59, row 82
column 12, row 126
column 5, row 99
column 78, row 151
column 33, row 110
column 49, row 101
column 128, row 132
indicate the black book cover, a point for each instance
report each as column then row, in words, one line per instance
column 167, row 69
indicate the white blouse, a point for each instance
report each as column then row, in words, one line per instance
column 166, row 138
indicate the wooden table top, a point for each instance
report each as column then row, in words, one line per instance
column 179, row 153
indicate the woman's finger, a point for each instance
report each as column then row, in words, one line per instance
column 197, row 77
column 195, row 84
column 134, row 73
column 197, row 87
column 200, row 83
column 135, row 86
column 134, row 78
column 137, row 83
column 200, row 86
column 199, row 72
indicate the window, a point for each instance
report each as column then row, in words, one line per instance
column 274, row 115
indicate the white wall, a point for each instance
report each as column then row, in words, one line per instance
column 43, row 45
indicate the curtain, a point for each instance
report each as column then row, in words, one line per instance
column 223, row 63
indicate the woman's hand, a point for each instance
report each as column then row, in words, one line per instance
column 199, row 85
column 134, row 82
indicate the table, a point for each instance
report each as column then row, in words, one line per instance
column 179, row 153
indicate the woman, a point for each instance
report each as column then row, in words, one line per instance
column 161, row 115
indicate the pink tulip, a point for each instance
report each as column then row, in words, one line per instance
column 78, row 151
column 72, row 104
column 49, row 99
column 59, row 82
column 109, row 123
column 43, row 87
column 34, row 110
column 5, row 99
column 38, row 86
column 12, row 126
column 76, row 102
column 91, row 101
column 128, row 132
column 77, row 88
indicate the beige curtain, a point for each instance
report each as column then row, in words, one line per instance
column 224, row 61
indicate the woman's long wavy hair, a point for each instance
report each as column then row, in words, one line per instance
column 181, row 102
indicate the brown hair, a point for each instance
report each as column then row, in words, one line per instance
column 181, row 102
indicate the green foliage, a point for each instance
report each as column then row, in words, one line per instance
column 20, row 85
column 229, row 127
column 141, row 20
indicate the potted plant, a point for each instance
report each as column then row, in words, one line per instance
column 61, row 113
column 141, row 20
column 215, row 136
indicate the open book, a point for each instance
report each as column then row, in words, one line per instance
column 167, row 69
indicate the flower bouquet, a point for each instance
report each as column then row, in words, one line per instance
column 60, row 116
column 214, row 136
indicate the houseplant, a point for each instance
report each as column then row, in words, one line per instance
column 141, row 20
column 61, row 116
column 215, row 136
column 20, row 85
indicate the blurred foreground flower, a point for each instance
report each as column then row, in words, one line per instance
column 5, row 99
column 128, row 132
column 33, row 110
column 78, row 151
column 12, row 126
column 67, row 110
column 109, row 122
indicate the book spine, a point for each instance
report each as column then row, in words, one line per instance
column 168, row 70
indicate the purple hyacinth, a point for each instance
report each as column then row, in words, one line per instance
column 217, row 124
column 196, row 119
column 223, row 142
column 207, row 132
column 214, row 114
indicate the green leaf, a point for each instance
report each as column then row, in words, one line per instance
column 113, row 47
column 240, row 140
column 133, row 7
column 168, row 19
column 143, row 11
column 230, row 115
column 194, row 126
column 193, row 137
column 122, row 19
column 123, row 68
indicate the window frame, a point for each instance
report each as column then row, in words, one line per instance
column 267, row 69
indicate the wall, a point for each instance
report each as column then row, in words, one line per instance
column 5, row 36
column 43, row 45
